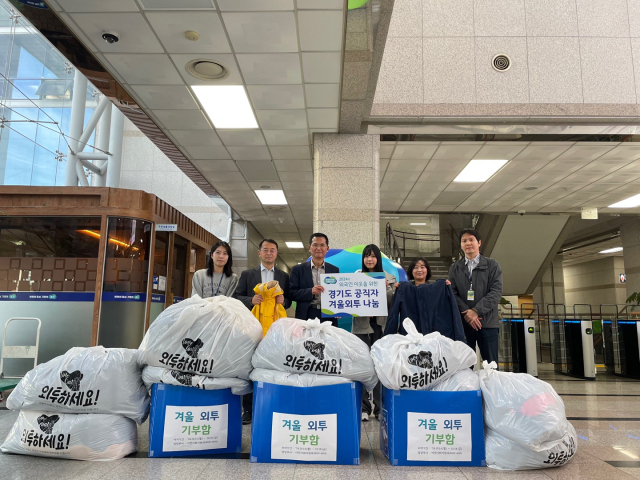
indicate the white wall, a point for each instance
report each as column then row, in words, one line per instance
column 595, row 283
column 575, row 53
column 145, row 167
column 523, row 246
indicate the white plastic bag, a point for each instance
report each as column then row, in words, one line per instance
column 522, row 408
column 419, row 362
column 295, row 379
column 72, row 436
column 151, row 375
column 85, row 380
column 308, row 346
column 463, row 381
column 213, row 337
column 505, row 454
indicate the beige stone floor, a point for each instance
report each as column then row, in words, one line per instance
column 608, row 449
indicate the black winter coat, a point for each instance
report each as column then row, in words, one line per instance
column 432, row 307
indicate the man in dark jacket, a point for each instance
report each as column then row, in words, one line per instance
column 263, row 273
column 477, row 285
column 304, row 284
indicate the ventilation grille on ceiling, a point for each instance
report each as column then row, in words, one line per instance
column 501, row 62
column 206, row 69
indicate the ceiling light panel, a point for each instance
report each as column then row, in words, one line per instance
column 226, row 105
column 612, row 250
column 631, row 202
column 478, row 171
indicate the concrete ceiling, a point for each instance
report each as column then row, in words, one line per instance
column 288, row 55
column 418, row 176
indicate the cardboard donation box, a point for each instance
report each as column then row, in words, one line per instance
column 427, row 428
column 306, row 424
column 188, row 421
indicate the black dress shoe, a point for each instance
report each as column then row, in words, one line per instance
column 246, row 418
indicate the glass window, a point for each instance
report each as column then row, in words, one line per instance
column 40, row 90
column 52, row 254
column 126, row 270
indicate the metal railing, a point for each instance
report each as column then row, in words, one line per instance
column 395, row 243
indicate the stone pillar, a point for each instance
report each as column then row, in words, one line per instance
column 346, row 202
column 630, row 235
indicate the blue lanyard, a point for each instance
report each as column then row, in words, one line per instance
column 221, row 277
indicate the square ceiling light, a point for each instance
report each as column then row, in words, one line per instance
column 294, row 244
column 226, row 105
column 417, row 224
column 271, row 197
column 478, row 171
column 631, row 202
column 612, row 250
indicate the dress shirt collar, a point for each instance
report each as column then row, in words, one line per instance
column 473, row 261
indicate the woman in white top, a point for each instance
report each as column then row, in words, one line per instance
column 217, row 278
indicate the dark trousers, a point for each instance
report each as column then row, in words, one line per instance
column 487, row 340
column 316, row 313
column 247, row 403
column 370, row 339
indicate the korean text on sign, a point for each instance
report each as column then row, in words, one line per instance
column 195, row 428
column 354, row 294
column 439, row 437
column 304, row 437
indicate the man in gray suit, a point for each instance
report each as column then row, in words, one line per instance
column 263, row 273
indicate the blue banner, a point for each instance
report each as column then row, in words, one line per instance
column 155, row 298
column 34, row 3
column 47, row 296
column 177, row 299
column 123, row 297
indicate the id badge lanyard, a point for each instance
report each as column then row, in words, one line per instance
column 470, row 293
column 220, row 283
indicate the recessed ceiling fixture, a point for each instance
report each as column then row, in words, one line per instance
column 294, row 244
column 266, row 187
column 612, row 250
column 531, row 188
column 631, row 202
column 205, row 69
column 417, row 224
column 478, row 171
column 226, row 105
column 501, row 62
column 271, row 197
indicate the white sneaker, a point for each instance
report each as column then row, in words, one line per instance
column 365, row 417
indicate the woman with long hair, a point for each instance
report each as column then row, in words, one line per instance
column 419, row 272
column 370, row 329
column 218, row 278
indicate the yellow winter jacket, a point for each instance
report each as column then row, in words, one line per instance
column 268, row 311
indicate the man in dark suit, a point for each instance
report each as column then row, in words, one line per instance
column 263, row 273
column 305, row 287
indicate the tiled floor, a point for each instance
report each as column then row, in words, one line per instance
column 602, row 439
